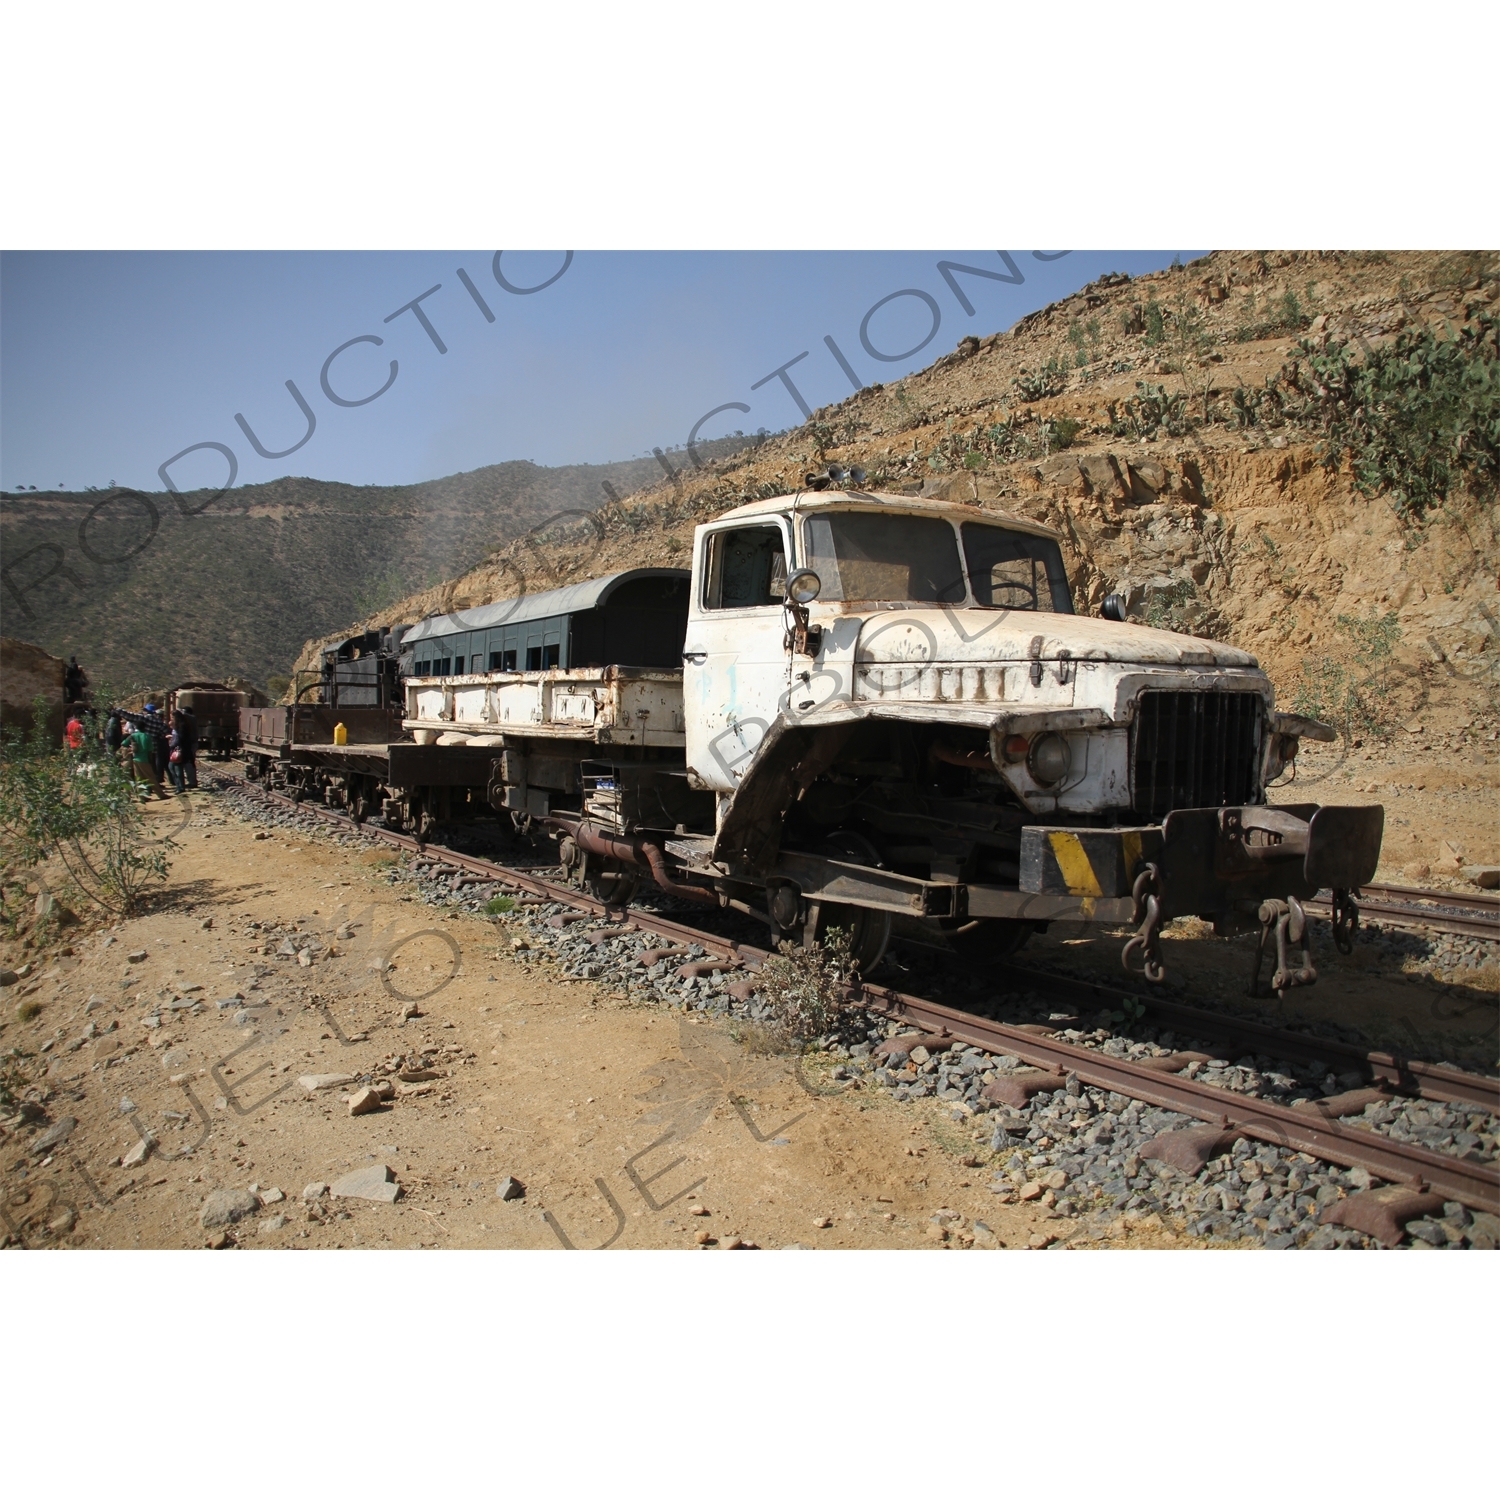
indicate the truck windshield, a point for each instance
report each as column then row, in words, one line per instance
column 865, row 555
column 1012, row 570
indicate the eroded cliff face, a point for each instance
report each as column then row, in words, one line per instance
column 1235, row 528
column 1268, row 549
column 27, row 673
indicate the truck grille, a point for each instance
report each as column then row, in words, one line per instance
column 1194, row 750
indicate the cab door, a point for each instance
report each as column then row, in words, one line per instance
column 736, row 668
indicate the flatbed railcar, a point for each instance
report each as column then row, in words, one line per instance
column 532, row 685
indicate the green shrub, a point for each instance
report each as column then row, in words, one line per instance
column 80, row 807
column 1151, row 410
column 1283, row 314
column 802, row 987
column 1257, row 408
column 1060, row 433
column 499, row 906
column 996, row 443
column 1325, row 691
column 1166, row 608
column 1374, row 641
column 1037, row 385
column 1357, row 698
column 1418, row 416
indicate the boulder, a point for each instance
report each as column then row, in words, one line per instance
column 26, row 673
column 373, row 1184
column 54, row 1135
column 1105, row 480
column 226, row 1206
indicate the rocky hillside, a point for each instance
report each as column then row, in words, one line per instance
column 1294, row 451
column 143, row 594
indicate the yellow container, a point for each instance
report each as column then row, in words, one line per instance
column 340, row 735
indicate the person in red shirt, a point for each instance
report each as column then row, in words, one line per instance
column 74, row 732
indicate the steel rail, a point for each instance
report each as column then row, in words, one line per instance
column 1410, row 916
column 1466, row 900
column 1397, row 906
column 1475, row 1184
column 1428, row 1080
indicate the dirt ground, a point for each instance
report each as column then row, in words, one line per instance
column 619, row 1120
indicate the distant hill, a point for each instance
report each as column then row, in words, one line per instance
column 237, row 589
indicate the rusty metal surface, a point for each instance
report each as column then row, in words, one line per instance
column 1192, row 1149
column 1382, row 1213
column 1418, row 1170
column 1174, row 1062
column 1017, row 1089
column 1340, row 1106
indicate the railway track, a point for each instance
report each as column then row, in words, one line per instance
column 1437, row 911
column 1225, row 1115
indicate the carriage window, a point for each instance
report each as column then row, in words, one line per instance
column 895, row 558
column 1013, row 570
column 502, row 661
column 458, row 665
column 422, row 669
column 746, row 568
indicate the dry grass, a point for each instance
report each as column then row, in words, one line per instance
column 804, row 989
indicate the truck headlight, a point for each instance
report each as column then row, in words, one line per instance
column 1049, row 759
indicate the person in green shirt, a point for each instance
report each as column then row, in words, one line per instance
column 138, row 747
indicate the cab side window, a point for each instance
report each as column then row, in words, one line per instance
column 746, row 568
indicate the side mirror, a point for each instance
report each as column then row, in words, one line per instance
column 1113, row 608
column 803, row 586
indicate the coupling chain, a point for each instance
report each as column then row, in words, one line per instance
column 1288, row 921
column 1146, row 914
column 1345, row 920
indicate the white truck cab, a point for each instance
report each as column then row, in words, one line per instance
column 926, row 611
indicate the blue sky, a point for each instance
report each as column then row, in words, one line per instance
column 112, row 362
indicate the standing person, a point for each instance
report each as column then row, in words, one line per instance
column 174, row 754
column 156, row 726
column 140, row 747
column 75, row 682
column 114, row 733
column 74, row 732
column 188, row 743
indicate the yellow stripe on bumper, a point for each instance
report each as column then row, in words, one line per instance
column 1074, row 864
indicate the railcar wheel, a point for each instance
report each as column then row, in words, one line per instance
column 989, row 940
column 869, row 930
column 611, row 881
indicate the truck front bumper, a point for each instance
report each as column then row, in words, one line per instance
column 1208, row 860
